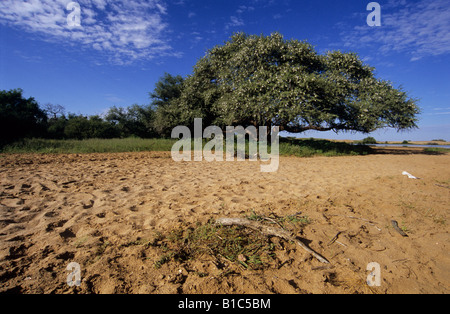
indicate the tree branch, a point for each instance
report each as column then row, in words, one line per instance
column 301, row 129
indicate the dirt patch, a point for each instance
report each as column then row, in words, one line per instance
column 113, row 215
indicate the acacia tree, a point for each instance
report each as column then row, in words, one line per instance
column 270, row 81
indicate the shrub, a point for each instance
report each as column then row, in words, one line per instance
column 369, row 140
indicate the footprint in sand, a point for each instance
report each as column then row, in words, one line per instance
column 67, row 233
column 53, row 225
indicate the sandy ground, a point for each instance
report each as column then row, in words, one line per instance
column 97, row 210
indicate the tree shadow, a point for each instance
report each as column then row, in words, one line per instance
column 406, row 151
column 331, row 148
column 326, row 147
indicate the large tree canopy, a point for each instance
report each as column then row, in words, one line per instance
column 270, row 81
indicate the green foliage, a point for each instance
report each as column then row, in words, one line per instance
column 23, row 118
column 84, row 127
column 19, row 117
column 56, row 127
column 267, row 80
column 164, row 98
column 369, row 140
column 132, row 121
column 249, row 80
column 437, row 150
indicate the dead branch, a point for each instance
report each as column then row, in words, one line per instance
column 269, row 231
column 397, row 228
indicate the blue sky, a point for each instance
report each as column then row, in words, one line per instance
column 123, row 47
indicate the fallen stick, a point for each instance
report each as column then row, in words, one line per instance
column 397, row 228
column 269, row 231
column 334, row 238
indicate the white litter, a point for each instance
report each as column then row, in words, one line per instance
column 409, row 175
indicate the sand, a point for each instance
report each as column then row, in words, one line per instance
column 99, row 210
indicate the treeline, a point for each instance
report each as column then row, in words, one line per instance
column 116, row 123
column 22, row 117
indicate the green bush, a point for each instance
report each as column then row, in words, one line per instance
column 369, row 140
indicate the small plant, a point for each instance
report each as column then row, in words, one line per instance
column 254, row 216
column 404, row 227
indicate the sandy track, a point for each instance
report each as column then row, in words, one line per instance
column 97, row 209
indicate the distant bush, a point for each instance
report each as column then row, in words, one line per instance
column 405, row 142
column 369, row 140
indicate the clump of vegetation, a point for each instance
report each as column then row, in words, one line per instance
column 234, row 244
column 436, row 150
column 369, row 140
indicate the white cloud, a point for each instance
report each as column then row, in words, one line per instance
column 243, row 8
column 237, row 20
column 277, row 16
column 439, row 111
column 234, row 22
column 125, row 30
column 420, row 29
